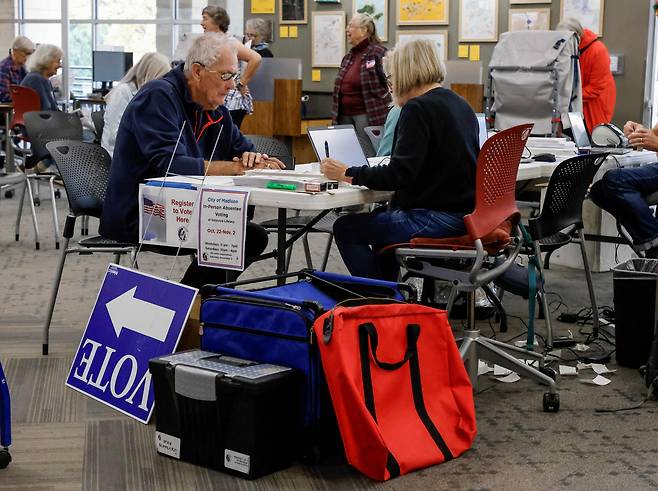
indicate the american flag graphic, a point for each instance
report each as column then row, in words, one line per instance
column 151, row 208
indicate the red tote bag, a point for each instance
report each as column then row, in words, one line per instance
column 402, row 396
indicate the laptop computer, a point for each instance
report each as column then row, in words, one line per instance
column 582, row 139
column 338, row 142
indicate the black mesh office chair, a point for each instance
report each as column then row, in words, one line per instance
column 560, row 221
column 85, row 170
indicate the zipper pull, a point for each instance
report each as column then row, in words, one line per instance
column 294, row 307
column 311, row 336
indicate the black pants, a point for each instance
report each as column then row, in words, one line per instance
column 255, row 243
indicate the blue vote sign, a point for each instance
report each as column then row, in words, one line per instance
column 136, row 317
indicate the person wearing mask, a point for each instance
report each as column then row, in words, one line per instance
column 149, row 67
column 599, row 89
column 257, row 31
column 361, row 97
column 431, row 170
column 42, row 65
column 238, row 101
column 621, row 192
column 188, row 98
column 12, row 68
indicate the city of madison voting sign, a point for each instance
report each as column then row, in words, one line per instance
column 136, row 317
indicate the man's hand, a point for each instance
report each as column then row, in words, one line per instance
column 271, row 163
column 630, row 127
column 250, row 160
column 334, row 169
column 643, row 138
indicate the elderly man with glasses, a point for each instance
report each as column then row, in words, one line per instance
column 177, row 124
column 12, row 68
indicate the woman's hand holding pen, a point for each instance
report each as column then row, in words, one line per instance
column 335, row 170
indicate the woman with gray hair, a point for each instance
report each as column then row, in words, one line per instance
column 150, row 66
column 257, row 30
column 431, row 171
column 43, row 64
column 361, row 96
column 238, row 101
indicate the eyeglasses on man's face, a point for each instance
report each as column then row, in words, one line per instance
column 251, row 35
column 223, row 76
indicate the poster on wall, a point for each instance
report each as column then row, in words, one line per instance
column 439, row 37
column 588, row 12
column 478, row 21
column 378, row 10
column 292, row 11
column 529, row 19
column 423, row 12
column 262, row 6
column 328, row 38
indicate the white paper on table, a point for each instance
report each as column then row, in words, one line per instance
column 568, row 370
column 601, row 369
column 598, row 380
column 509, row 379
column 483, row 368
column 501, row 371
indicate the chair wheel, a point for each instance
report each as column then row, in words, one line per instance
column 9, row 193
column 16, row 237
column 5, row 458
column 58, row 194
column 57, row 247
column 37, row 246
column 37, row 201
column 548, row 371
column 551, row 402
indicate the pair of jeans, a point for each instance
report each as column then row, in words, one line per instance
column 621, row 193
column 361, row 235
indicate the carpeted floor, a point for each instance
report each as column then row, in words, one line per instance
column 63, row 440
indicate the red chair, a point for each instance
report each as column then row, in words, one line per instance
column 492, row 232
column 23, row 100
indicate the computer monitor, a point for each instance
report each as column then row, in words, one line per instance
column 579, row 131
column 340, row 142
column 110, row 66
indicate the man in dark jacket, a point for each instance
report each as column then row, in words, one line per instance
column 184, row 105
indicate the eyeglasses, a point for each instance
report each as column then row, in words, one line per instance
column 250, row 35
column 223, row 76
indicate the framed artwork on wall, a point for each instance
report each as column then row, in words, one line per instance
column 514, row 2
column 529, row 19
column 588, row 12
column 439, row 37
column 378, row 10
column 327, row 38
column 293, row 11
column 478, row 21
column 423, row 12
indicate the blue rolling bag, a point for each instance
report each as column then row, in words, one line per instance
column 5, row 421
column 275, row 325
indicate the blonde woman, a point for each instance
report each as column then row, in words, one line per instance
column 149, row 67
column 431, row 171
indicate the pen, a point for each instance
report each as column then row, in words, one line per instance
column 326, row 148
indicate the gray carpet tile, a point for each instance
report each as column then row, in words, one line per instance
column 64, row 440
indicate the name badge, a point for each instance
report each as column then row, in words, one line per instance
column 370, row 64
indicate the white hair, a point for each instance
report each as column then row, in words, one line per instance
column 43, row 56
column 206, row 49
column 570, row 24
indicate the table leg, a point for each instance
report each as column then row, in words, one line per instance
column 282, row 226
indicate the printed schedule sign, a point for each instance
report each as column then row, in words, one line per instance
column 222, row 228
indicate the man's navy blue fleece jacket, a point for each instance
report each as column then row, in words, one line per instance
column 145, row 142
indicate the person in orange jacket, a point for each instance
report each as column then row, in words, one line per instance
column 599, row 89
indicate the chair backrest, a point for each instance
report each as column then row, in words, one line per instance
column 23, row 99
column 375, row 133
column 46, row 126
column 495, row 182
column 269, row 145
column 567, row 187
column 85, row 170
column 98, row 118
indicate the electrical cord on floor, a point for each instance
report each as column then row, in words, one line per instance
column 649, row 396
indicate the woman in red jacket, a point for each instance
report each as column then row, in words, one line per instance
column 361, row 95
column 599, row 89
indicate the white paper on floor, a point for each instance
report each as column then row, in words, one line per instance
column 598, row 380
column 501, row 371
column 568, row 370
column 509, row 379
column 601, row 369
column 523, row 342
column 483, row 368
column 581, row 347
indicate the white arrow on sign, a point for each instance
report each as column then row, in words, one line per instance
column 140, row 316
